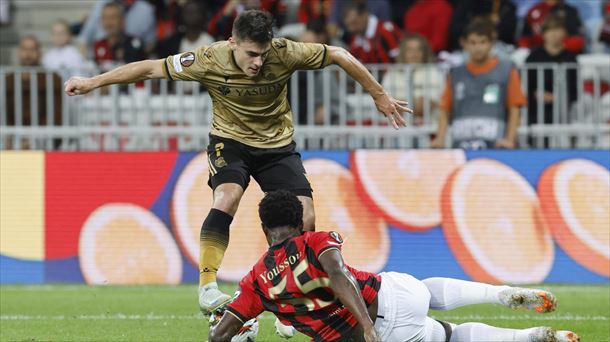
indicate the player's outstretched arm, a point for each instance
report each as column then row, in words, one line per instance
column 228, row 326
column 346, row 288
column 386, row 104
column 128, row 73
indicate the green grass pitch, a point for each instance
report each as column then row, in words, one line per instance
column 169, row 313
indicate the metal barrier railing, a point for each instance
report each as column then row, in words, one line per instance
column 331, row 111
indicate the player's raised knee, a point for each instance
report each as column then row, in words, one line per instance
column 227, row 197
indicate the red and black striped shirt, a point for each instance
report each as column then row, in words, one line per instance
column 290, row 282
column 380, row 43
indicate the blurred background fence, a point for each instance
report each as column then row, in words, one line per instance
column 330, row 110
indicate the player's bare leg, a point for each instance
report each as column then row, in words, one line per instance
column 214, row 239
column 309, row 216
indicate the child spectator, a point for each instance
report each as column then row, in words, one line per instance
column 426, row 80
column 532, row 31
column 481, row 99
column 64, row 56
column 552, row 51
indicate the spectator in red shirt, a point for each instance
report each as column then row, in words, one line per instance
column 373, row 40
column 167, row 13
column 117, row 47
column 222, row 22
column 430, row 19
column 310, row 10
column 532, row 31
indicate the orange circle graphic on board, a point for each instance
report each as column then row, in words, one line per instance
column 191, row 202
column 338, row 208
column 575, row 199
column 404, row 187
column 122, row 243
column 494, row 225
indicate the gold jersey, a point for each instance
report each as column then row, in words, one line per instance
column 252, row 110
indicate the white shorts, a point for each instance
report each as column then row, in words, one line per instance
column 403, row 306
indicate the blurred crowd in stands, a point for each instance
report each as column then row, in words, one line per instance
column 414, row 32
column 121, row 31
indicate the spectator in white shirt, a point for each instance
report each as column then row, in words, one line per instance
column 64, row 56
column 425, row 82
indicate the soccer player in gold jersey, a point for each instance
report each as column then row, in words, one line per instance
column 252, row 126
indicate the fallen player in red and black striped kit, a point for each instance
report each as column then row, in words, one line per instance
column 303, row 280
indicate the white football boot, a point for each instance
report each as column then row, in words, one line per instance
column 211, row 298
column 284, row 331
column 531, row 299
column 546, row 334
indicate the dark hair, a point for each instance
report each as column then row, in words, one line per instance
column 116, row 4
column 254, row 25
column 481, row 26
column 357, row 5
column 317, row 26
column 552, row 21
column 281, row 208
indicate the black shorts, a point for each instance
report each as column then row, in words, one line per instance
column 273, row 168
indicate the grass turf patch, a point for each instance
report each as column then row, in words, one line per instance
column 170, row 313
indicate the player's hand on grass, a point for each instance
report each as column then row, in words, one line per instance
column 392, row 109
column 77, row 85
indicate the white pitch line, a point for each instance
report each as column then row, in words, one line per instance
column 150, row 317
column 154, row 317
column 524, row 318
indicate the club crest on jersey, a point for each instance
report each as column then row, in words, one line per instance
column 187, row 59
column 337, row 237
column 220, row 162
